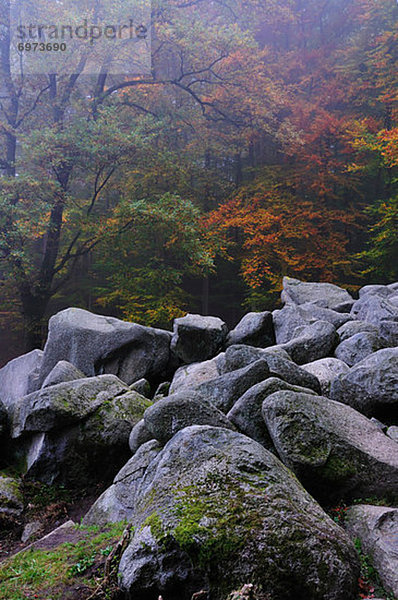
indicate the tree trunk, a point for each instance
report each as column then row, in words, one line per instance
column 33, row 309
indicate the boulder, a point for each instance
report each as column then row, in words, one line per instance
column 197, row 338
column 335, row 451
column 96, row 344
column 370, row 386
column 246, row 412
column 118, row 501
column 189, row 376
column 291, row 317
column 326, row 370
column 324, row 294
column 215, row 510
column 63, row 404
column 226, row 389
column 389, row 332
column 358, row 347
column 141, row 386
column 374, row 309
column 139, row 435
column 377, row 529
column 91, row 451
column 167, row 416
column 162, row 390
column 19, row 377
column 3, row 420
column 392, row 433
column 11, row 501
column 353, row 327
column 376, row 290
column 254, row 329
column 279, row 364
column 62, row 372
column 312, row 342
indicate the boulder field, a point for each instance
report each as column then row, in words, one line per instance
column 225, row 451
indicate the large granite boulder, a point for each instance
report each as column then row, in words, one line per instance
column 353, row 327
column 246, row 412
column 63, row 372
column 326, row 295
column 19, row 377
column 139, row 435
column 377, row 529
column 278, row 361
column 371, row 386
column 64, row 404
column 167, row 416
column 118, row 501
column 189, row 376
column 96, row 344
column 3, row 420
column 357, row 347
column 197, row 338
column 254, row 329
column 215, row 510
column 376, row 290
column 226, row 389
column 335, row 451
column 288, row 319
column 90, row 451
column 326, row 370
column 374, row 309
column 312, row 342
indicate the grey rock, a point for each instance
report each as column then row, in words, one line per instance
column 246, row 413
column 117, row 503
column 291, row 318
column 374, row 309
column 326, row 294
column 63, row 404
column 335, row 451
column 178, row 411
column 377, row 529
column 226, row 389
column 393, row 286
column 250, row 521
column 31, row 530
column 19, row 377
column 379, row 424
column 287, row 320
column 162, row 390
column 353, row 327
column 392, row 433
column 279, row 364
column 141, row 386
column 11, row 500
column 3, row 420
column 312, row 342
column 62, row 372
column 197, row 338
column 139, row 435
column 189, row 376
column 254, row 329
column 91, row 451
column 371, row 386
column 375, row 290
column 358, row 347
column 96, row 345
column 389, row 332
column 326, row 370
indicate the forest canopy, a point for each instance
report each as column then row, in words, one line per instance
column 263, row 143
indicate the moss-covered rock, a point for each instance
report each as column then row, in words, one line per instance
column 215, row 510
column 335, row 451
column 11, row 500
